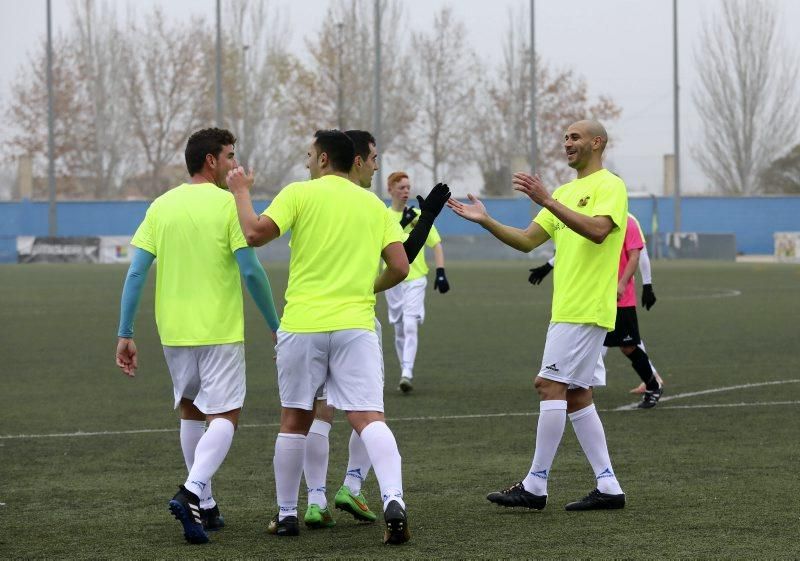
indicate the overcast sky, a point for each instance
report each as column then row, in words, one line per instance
column 622, row 47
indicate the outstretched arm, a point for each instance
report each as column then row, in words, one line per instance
column 257, row 282
column 523, row 240
column 257, row 229
column 429, row 207
column 593, row 228
column 126, row 356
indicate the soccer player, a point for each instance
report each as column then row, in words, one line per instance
column 648, row 301
column 406, row 301
column 586, row 219
column 193, row 231
column 327, row 335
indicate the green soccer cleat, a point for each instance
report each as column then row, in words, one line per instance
column 317, row 517
column 354, row 504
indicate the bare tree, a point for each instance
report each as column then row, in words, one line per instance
column 339, row 81
column 446, row 70
column 260, row 81
column 166, row 95
column 783, row 174
column 504, row 113
column 747, row 95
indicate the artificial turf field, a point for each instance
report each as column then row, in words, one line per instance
column 710, row 472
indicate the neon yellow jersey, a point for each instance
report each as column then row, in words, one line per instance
column 419, row 268
column 585, row 281
column 193, row 231
column 338, row 233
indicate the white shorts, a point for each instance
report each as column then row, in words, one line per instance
column 349, row 362
column 571, row 353
column 407, row 299
column 322, row 392
column 212, row 376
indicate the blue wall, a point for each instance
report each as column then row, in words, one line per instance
column 752, row 219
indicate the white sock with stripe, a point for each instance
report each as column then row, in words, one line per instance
column 191, row 433
column 315, row 462
column 592, row 437
column 358, row 464
column 209, row 455
column 385, row 457
column 288, row 465
column 549, row 430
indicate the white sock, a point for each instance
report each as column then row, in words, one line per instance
column 209, row 455
column 288, row 464
column 315, row 462
column 550, row 429
column 191, row 433
column 589, row 430
column 399, row 340
column 410, row 335
column 358, row 464
column 385, row 457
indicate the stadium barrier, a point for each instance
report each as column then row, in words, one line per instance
column 694, row 245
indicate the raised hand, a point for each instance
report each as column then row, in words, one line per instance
column 126, row 356
column 238, row 181
column 436, row 199
column 531, row 186
column 474, row 212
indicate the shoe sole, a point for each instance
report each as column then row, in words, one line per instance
column 356, row 512
column 535, row 507
column 192, row 531
column 319, row 524
column 614, row 506
column 396, row 532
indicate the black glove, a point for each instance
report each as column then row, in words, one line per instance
column 648, row 296
column 435, row 201
column 409, row 214
column 538, row 273
column 441, row 283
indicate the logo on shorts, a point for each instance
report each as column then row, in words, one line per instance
column 552, row 367
column 627, row 338
column 584, row 201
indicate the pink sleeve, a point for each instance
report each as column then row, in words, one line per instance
column 633, row 239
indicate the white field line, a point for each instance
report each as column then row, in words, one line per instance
column 460, row 417
column 713, row 390
column 720, row 293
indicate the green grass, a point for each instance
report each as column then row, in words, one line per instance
column 701, row 482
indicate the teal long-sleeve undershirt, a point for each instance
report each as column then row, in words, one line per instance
column 251, row 270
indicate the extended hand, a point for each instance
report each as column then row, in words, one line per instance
column 436, row 199
column 474, row 212
column 648, row 297
column 538, row 273
column 531, row 186
column 238, row 181
column 126, row 356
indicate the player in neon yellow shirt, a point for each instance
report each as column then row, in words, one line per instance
column 327, row 335
column 194, row 232
column 406, row 301
column 587, row 220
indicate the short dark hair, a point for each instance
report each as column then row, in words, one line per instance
column 339, row 148
column 203, row 143
column 361, row 141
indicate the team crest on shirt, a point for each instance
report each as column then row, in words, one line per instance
column 584, row 201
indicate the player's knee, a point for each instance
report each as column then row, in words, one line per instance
column 637, row 356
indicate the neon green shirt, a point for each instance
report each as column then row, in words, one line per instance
column 193, row 231
column 585, row 281
column 338, row 233
column 419, row 268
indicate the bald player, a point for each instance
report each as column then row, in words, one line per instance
column 587, row 220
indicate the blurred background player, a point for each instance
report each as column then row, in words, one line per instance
column 406, row 301
column 537, row 274
column 194, row 232
column 586, row 219
column 339, row 233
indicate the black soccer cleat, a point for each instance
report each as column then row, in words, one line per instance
column 650, row 398
column 212, row 519
column 517, row 496
column 185, row 506
column 396, row 532
column 596, row 500
column 286, row 527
